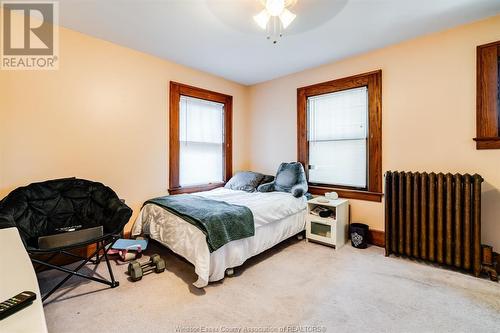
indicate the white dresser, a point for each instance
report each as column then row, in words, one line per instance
column 17, row 275
column 328, row 230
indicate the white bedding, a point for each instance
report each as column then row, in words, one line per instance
column 277, row 216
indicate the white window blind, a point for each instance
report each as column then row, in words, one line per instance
column 201, row 136
column 337, row 133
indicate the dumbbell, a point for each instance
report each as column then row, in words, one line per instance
column 136, row 270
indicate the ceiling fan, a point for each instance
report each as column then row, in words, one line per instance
column 275, row 17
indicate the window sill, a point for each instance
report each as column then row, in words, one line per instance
column 488, row 143
column 193, row 189
column 348, row 194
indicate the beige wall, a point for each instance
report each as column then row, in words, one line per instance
column 428, row 112
column 103, row 116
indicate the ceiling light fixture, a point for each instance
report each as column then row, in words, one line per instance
column 275, row 17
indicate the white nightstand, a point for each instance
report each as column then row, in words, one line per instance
column 330, row 230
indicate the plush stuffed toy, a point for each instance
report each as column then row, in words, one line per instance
column 289, row 178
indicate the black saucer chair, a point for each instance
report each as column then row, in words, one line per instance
column 56, row 217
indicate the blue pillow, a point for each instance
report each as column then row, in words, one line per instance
column 245, row 181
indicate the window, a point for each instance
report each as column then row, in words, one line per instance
column 339, row 136
column 200, row 139
column 337, row 133
column 201, row 142
column 488, row 96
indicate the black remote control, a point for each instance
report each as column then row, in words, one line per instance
column 16, row 303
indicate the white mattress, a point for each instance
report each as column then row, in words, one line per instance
column 277, row 216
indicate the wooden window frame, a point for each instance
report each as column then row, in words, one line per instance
column 488, row 97
column 176, row 91
column 373, row 81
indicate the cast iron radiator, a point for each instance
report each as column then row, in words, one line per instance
column 436, row 218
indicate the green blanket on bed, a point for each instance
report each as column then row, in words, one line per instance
column 220, row 222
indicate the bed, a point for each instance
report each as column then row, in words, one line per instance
column 277, row 216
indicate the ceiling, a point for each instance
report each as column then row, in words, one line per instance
column 220, row 37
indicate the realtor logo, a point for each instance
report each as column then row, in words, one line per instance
column 30, row 39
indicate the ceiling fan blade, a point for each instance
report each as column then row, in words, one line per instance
column 262, row 19
column 287, row 18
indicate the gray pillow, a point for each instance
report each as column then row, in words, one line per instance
column 245, row 181
column 289, row 178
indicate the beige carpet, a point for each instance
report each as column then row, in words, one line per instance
column 294, row 287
